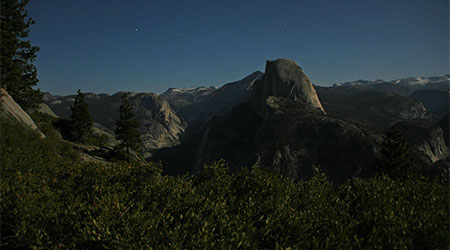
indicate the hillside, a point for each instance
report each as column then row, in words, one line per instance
column 288, row 127
column 375, row 110
column 60, row 194
column 51, row 199
column 197, row 105
column 436, row 101
column 283, row 127
column 160, row 125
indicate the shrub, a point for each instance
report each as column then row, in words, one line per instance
column 50, row 199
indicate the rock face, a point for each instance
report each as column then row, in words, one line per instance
column 284, row 78
column 45, row 109
column 199, row 104
column 292, row 140
column 282, row 127
column 11, row 110
column 110, row 140
column 160, row 126
column 426, row 140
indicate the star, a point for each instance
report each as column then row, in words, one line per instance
column 178, row 34
column 137, row 30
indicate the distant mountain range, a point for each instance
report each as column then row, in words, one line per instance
column 410, row 81
column 199, row 104
column 405, row 86
column 281, row 121
column 287, row 126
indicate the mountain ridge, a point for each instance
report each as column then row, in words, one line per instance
column 160, row 125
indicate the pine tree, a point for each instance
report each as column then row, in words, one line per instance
column 81, row 120
column 17, row 73
column 395, row 159
column 127, row 128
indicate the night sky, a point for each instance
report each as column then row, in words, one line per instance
column 148, row 46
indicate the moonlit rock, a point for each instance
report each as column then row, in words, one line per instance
column 10, row 109
column 284, row 78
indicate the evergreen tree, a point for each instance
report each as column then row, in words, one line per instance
column 127, row 128
column 81, row 120
column 395, row 159
column 18, row 74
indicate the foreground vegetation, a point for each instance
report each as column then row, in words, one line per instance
column 50, row 199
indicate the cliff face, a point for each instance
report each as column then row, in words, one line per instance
column 290, row 139
column 282, row 127
column 426, row 140
column 285, row 79
column 160, row 125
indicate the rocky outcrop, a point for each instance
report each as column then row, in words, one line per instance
column 284, row 78
column 108, row 140
column 292, row 140
column 160, row 126
column 45, row 109
column 11, row 110
column 283, row 127
column 426, row 140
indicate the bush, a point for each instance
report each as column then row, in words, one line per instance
column 50, row 199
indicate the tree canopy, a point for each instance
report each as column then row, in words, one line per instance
column 81, row 120
column 127, row 128
column 395, row 158
column 18, row 74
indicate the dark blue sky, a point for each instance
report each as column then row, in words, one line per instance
column 112, row 45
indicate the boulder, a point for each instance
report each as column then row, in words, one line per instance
column 11, row 110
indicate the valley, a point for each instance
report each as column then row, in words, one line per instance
column 339, row 128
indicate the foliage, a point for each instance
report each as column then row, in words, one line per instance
column 45, row 123
column 50, row 199
column 63, row 125
column 395, row 159
column 81, row 120
column 127, row 128
column 18, row 74
column 98, row 139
